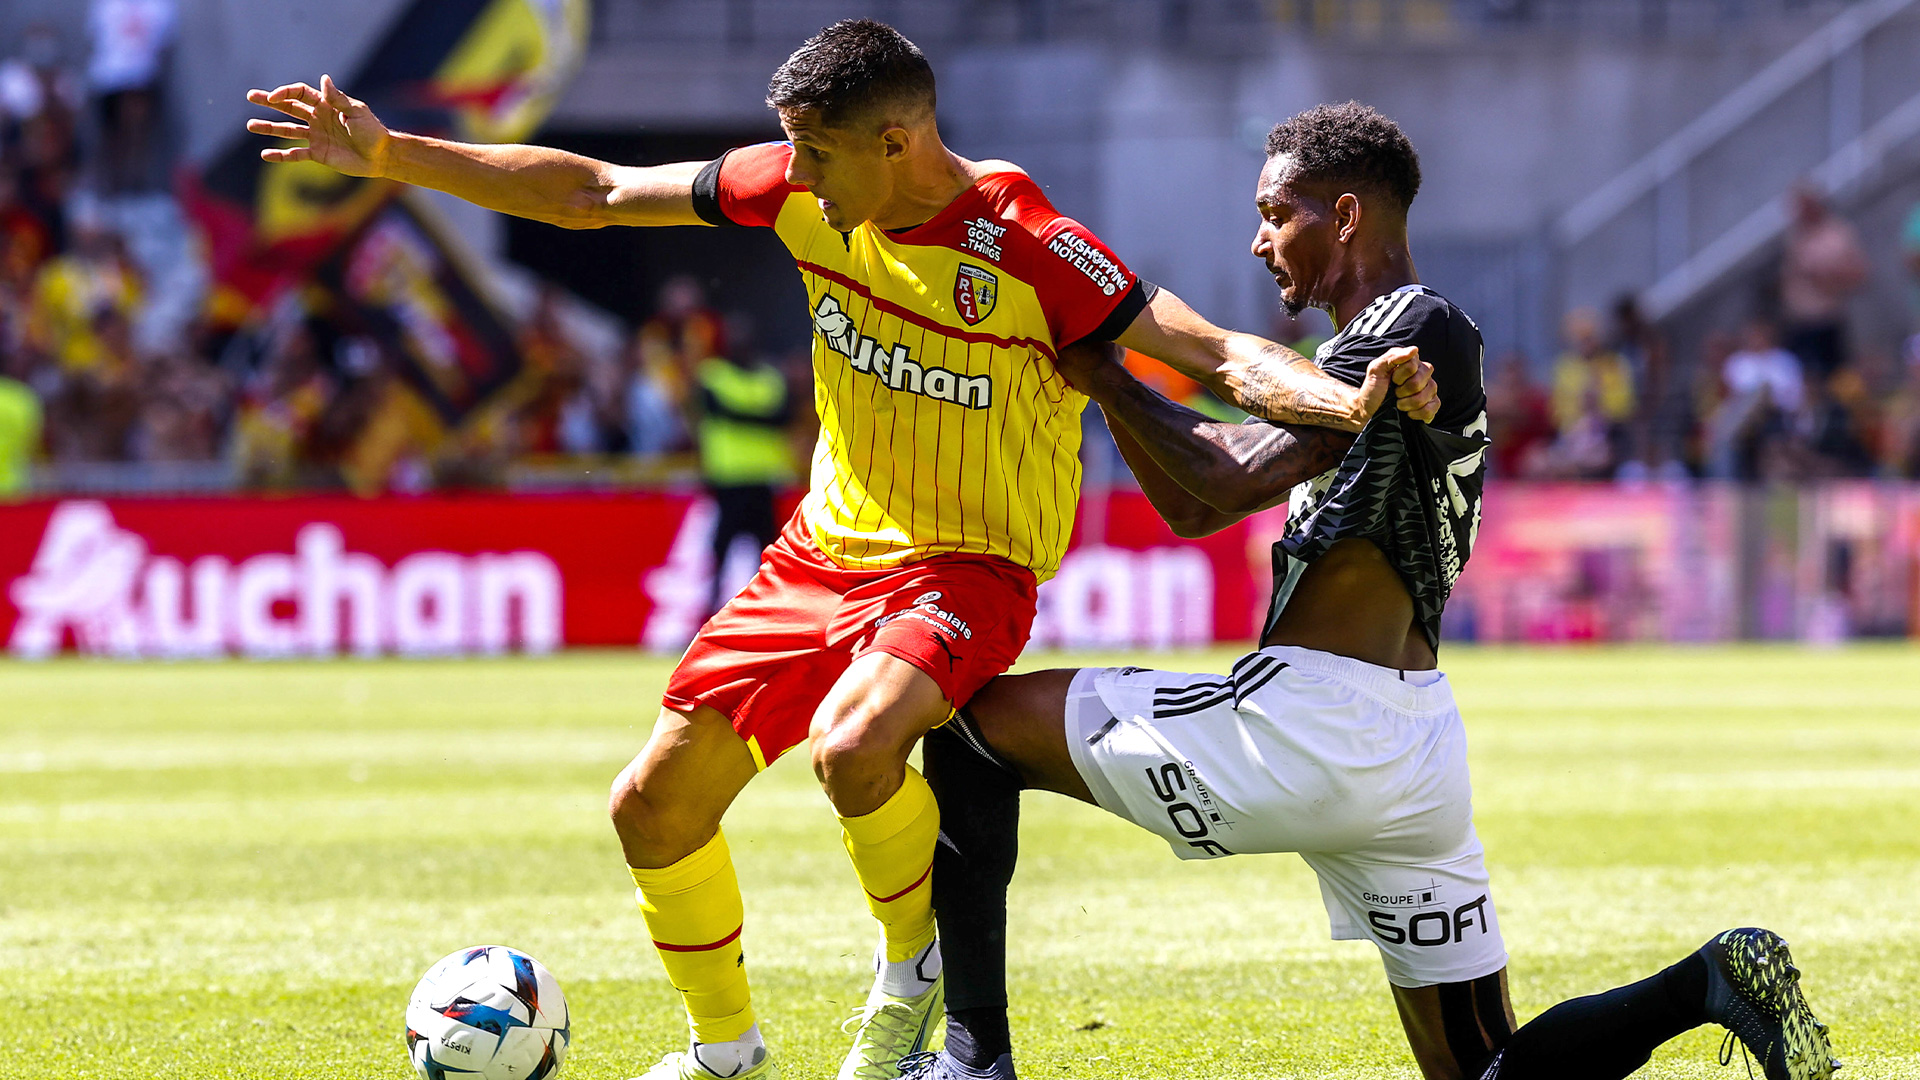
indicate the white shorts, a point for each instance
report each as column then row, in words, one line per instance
column 1362, row 770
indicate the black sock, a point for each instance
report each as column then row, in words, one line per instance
column 1607, row 1036
column 972, row 866
column 976, row 1037
column 1474, row 1018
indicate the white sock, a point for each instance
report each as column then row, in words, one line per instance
column 907, row 978
column 733, row 1057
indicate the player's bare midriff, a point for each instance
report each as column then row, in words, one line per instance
column 1351, row 603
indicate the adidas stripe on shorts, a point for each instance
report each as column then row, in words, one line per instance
column 1362, row 770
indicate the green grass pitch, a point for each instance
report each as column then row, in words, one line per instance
column 239, row 870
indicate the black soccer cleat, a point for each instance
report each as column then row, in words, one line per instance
column 1753, row 990
column 940, row 1065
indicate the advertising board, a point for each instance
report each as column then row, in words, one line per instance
column 322, row 576
column 480, row 574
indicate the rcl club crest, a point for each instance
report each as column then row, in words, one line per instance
column 974, row 291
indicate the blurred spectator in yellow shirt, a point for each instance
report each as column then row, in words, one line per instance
column 682, row 332
column 1590, row 379
column 91, row 409
column 73, row 293
column 1593, row 399
column 656, row 425
column 20, row 420
column 1900, row 432
column 281, row 403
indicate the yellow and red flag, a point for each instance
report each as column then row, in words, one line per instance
column 477, row 70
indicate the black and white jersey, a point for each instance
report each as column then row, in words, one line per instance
column 1411, row 488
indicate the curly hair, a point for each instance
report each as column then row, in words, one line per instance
column 852, row 68
column 1350, row 144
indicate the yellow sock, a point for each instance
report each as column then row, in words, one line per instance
column 693, row 912
column 892, row 851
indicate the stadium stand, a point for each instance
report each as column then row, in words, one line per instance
column 124, row 368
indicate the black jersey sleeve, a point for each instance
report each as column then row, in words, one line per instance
column 1443, row 334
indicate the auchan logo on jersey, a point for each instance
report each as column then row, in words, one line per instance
column 98, row 582
column 896, row 367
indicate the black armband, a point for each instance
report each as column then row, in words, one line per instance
column 1128, row 309
column 706, row 194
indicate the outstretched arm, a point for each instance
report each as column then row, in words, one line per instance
column 535, row 182
column 1202, row 474
column 1267, row 378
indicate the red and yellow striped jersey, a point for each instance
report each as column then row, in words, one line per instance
column 944, row 426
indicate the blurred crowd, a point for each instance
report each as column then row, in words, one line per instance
column 107, row 356
column 309, row 408
column 1786, row 396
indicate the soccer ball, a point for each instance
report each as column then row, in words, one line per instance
column 488, row 1012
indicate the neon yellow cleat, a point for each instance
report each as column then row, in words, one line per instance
column 1753, row 991
column 889, row 1028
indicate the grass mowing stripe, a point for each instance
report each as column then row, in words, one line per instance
column 238, row 870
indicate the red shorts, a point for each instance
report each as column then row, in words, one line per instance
column 768, row 658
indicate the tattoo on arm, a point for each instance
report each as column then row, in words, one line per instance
column 1283, row 386
column 1263, row 377
column 1236, row 468
column 1184, row 513
column 1275, row 457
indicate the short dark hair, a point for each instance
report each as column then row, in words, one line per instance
column 1350, row 144
column 851, row 69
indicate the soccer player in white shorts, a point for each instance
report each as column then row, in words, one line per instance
column 1338, row 738
column 1360, row 769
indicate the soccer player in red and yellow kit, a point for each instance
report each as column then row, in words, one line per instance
column 943, row 487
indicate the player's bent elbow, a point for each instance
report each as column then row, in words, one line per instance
column 585, row 208
column 570, row 217
column 1198, row 523
column 558, row 215
column 1241, row 506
